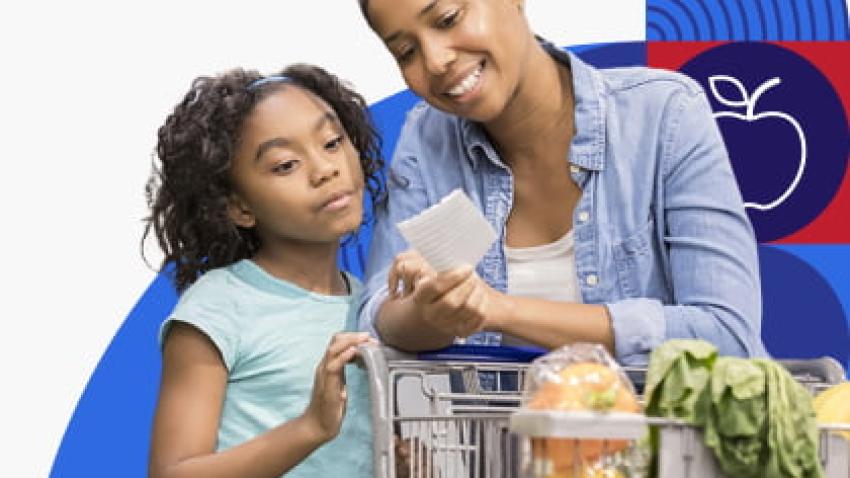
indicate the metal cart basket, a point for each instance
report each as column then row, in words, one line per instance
column 455, row 414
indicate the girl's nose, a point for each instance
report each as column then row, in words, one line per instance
column 324, row 168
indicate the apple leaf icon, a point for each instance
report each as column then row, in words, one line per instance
column 749, row 101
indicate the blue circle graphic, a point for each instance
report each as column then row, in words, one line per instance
column 803, row 317
column 784, row 126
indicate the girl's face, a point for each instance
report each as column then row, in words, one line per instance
column 296, row 174
column 465, row 57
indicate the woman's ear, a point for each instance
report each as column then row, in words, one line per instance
column 239, row 212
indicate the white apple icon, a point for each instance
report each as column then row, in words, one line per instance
column 750, row 103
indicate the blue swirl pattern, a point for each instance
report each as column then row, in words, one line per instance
column 747, row 20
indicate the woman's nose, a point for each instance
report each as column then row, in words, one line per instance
column 437, row 55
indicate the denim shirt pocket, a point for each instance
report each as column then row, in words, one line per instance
column 639, row 272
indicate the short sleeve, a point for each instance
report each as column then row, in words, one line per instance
column 211, row 317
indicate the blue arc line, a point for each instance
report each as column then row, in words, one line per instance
column 796, row 18
column 661, row 36
column 771, row 22
column 813, row 27
column 666, row 16
column 707, row 16
column 731, row 29
column 753, row 24
column 744, row 20
column 844, row 21
column 804, row 20
column 762, row 24
column 829, row 17
column 777, row 14
column 693, row 21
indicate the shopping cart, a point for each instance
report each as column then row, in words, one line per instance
column 454, row 413
column 450, row 409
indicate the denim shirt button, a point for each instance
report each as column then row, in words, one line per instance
column 591, row 280
column 575, row 169
column 583, row 216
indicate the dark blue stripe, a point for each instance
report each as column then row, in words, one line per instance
column 668, row 17
column 778, row 12
column 671, row 20
column 661, row 36
column 770, row 20
column 743, row 19
column 796, row 17
column 819, row 19
column 843, row 20
column 752, row 20
column 712, row 33
column 731, row 33
column 684, row 8
column 829, row 19
column 805, row 20
column 762, row 23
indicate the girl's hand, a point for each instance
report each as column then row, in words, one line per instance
column 327, row 405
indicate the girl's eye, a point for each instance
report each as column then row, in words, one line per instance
column 449, row 19
column 404, row 55
column 334, row 144
column 285, row 167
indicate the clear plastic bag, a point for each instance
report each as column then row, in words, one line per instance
column 581, row 379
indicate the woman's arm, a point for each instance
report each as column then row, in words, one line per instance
column 189, row 408
column 709, row 251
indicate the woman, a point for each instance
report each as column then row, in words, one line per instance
column 619, row 218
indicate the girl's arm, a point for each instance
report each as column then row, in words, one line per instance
column 190, row 400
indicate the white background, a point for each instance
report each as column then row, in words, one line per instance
column 85, row 85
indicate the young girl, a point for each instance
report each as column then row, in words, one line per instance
column 259, row 180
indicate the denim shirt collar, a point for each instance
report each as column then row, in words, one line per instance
column 588, row 145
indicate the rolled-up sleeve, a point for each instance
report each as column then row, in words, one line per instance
column 713, row 260
column 406, row 196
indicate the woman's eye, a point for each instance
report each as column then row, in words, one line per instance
column 334, row 144
column 448, row 19
column 285, row 167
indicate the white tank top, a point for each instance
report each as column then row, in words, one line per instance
column 547, row 271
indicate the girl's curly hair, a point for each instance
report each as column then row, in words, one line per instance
column 188, row 191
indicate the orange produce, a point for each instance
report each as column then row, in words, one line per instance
column 583, row 386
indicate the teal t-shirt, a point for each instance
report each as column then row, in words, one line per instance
column 271, row 335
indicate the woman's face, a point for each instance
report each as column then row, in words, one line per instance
column 465, row 57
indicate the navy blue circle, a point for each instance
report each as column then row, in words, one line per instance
column 803, row 317
column 766, row 151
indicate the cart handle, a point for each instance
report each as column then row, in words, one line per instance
column 483, row 353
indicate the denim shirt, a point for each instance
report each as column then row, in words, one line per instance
column 661, row 236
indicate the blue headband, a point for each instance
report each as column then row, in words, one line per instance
column 266, row 80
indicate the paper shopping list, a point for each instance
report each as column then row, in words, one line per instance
column 450, row 233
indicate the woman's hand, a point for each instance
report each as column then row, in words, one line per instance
column 456, row 302
column 327, row 405
column 407, row 269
